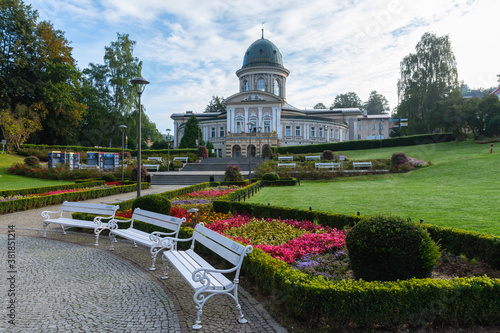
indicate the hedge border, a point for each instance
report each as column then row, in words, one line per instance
column 36, row 190
column 49, row 200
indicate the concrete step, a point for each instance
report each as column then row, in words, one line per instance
column 184, row 179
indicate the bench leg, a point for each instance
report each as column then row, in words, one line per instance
column 154, row 253
column 112, row 239
column 64, row 231
column 44, row 225
column 97, row 233
column 135, row 244
column 165, row 265
column 197, row 325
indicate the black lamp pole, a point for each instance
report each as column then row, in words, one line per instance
column 122, row 128
column 140, row 84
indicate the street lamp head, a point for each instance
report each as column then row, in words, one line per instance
column 140, row 84
column 123, row 127
column 168, row 130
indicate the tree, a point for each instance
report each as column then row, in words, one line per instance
column 428, row 76
column 347, row 100
column 121, row 66
column 17, row 126
column 319, row 106
column 377, row 104
column 191, row 133
column 217, row 104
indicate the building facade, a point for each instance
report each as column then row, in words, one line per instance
column 259, row 113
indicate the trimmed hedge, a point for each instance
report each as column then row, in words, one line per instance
column 48, row 200
column 459, row 301
column 366, row 144
column 36, row 190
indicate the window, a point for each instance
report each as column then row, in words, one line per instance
column 221, row 131
column 245, row 84
column 267, row 126
column 373, row 126
column 321, row 132
column 260, row 85
column 297, row 131
column 359, row 127
column 331, row 133
column 313, row 132
column 337, row 134
column 253, row 128
column 381, row 125
column 238, row 126
column 359, row 136
column 288, row 130
column 276, row 87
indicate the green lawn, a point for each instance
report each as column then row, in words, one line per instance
column 10, row 182
column 461, row 189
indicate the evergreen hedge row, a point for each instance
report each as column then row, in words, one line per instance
column 48, row 200
column 36, row 190
column 366, row 144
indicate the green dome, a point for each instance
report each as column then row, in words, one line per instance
column 262, row 53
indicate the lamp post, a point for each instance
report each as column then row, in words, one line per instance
column 249, row 152
column 122, row 128
column 168, row 147
column 140, row 84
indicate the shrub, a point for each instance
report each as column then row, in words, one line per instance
column 109, row 178
column 202, row 152
column 328, row 155
column 32, row 161
column 127, row 155
column 154, row 203
column 233, row 173
column 271, row 176
column 267, row 151
column 400, row 163
column 390, row 248
column 144, row 174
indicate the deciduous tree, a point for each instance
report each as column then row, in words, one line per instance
column 17, row 126
column 347, row 100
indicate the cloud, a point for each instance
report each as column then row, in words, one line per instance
column 192, row 48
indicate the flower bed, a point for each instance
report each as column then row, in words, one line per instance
column 286, row 240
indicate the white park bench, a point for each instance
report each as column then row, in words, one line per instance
column 206, row 280
column 182, row 159
column 286, row 165
column 285, row 158
column 330, row 165
column 87, row 166
column 361, row 165
column 155, row 167
column 313, row 158
column 156, row 241
column 104, row 212
column 153, row 158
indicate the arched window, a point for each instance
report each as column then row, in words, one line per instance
column 260, row 85
column 276, row 87
column 245, row 85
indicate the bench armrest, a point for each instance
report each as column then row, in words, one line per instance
column 155, row 236
column 113, row 223
column 97, row 219
column 46, row 214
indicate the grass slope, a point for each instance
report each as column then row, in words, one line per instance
column 461, row 189
column 11, row 182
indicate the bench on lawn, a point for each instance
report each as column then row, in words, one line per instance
column 331, row 165
column 87, row 166
column 156, row 241
column 361, row 165
column 182, row 159
column 286, row 165
column 206, row 280
column 104, row 212
column 153, row 158
column 285, row 158
column 312, row 158
column 152, row 166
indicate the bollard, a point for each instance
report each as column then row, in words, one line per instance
column 268, row 204
column 359, row 214
column 421, row 220
column 310, row 208
column 244, row 196
column 491, row 149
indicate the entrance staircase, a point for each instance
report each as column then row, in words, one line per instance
column 210, row 169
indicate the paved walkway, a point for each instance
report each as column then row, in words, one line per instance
column 63, row 283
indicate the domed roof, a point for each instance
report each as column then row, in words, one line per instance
column 262, row 53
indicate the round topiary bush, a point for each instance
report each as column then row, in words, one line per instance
column 109, row 178
column 202, row 152
column 32, row 161
column 267, row 152
column 233, row 174
column 271, row 176
column 328, row 155
column 144, row 174
column 390, row 248
column 154, row 203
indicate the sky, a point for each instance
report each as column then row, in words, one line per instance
column 191, row 49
